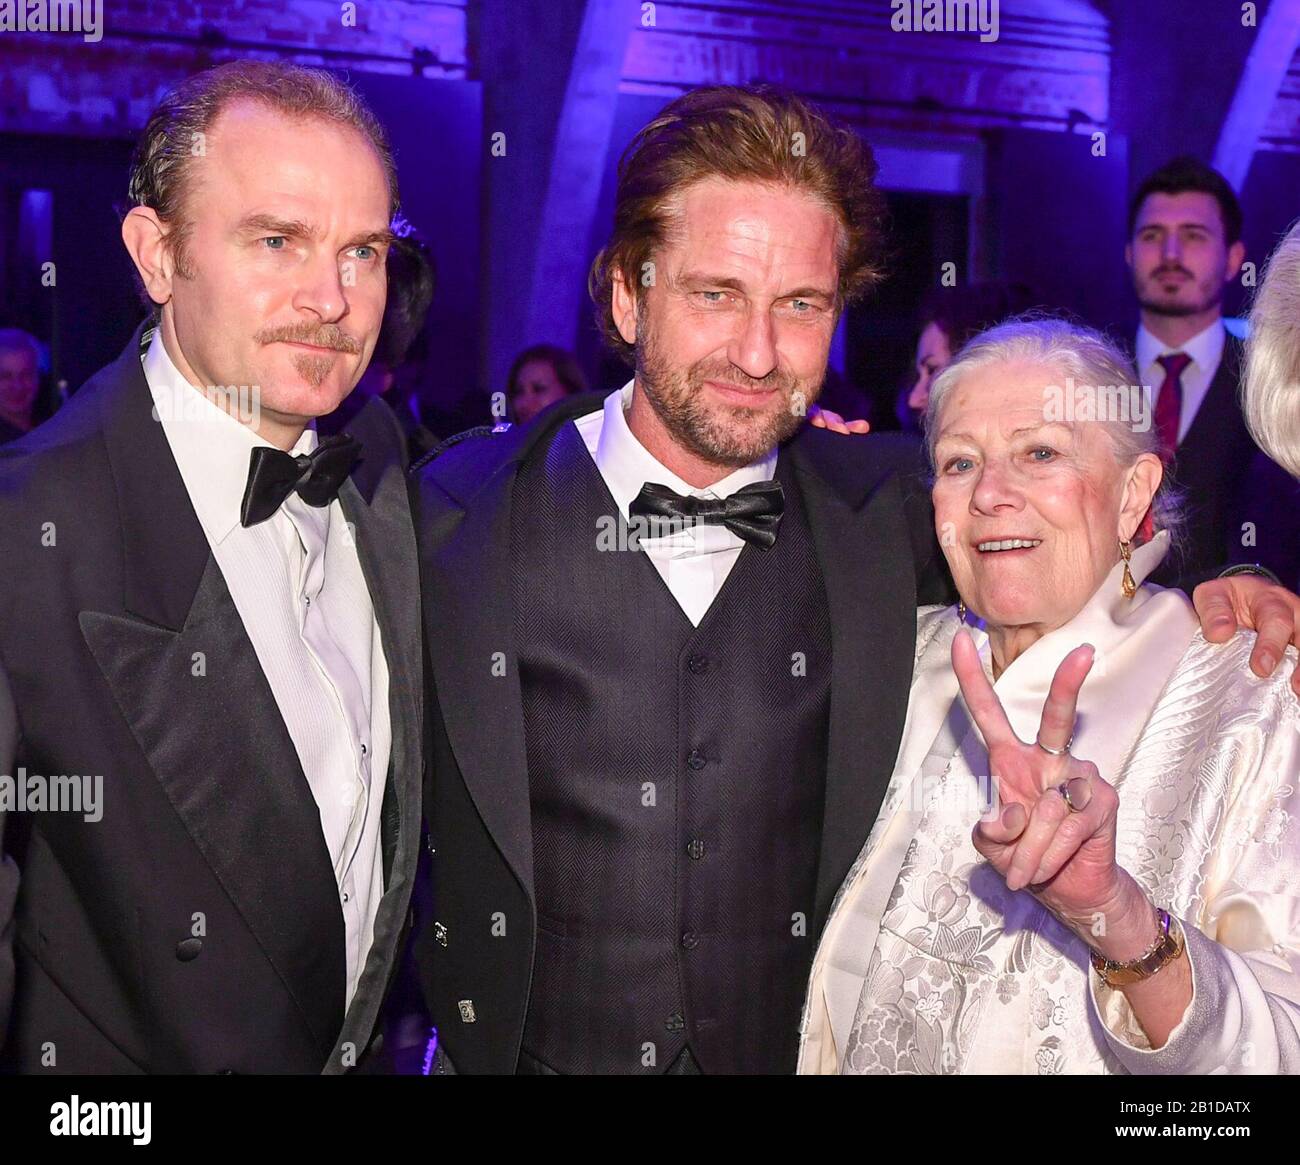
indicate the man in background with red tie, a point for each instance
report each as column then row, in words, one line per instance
column 1184, row 247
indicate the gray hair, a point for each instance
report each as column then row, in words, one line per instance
column 165, row 152
column 1072, row 350
column 1271, row 386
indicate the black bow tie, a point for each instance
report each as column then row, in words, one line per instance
column 752, row 512
column 317, row 477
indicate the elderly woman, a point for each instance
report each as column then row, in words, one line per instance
column 1129, row 897
column 1271, row 394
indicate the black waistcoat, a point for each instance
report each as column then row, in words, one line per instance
column 676, row 778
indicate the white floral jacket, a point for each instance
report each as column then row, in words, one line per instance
column 929, row 964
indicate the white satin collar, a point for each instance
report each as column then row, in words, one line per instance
column 1138, row 643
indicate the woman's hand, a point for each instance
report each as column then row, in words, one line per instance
column 1065, row 856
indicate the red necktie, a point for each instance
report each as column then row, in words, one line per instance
column 1169, row 403
column 1169, row 406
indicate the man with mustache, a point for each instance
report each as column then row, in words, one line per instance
column 672, row 631
column 217, row 614
column 1184, row 247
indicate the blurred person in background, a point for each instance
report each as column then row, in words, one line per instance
column 410, row 292
column 1184, row 248
column 541, row 375
column 20, row 382
column 950, row 316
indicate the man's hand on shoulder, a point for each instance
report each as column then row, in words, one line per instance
column 1253, row 602
column 822, row 418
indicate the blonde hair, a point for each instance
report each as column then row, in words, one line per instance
column 1270, row 393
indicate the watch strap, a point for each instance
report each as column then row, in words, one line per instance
column 1169, row 944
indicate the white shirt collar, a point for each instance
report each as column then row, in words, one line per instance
column 211, row 448
column 1205, row 348
column 627, row 465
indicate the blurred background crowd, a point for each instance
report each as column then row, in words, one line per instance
column 1130, row 165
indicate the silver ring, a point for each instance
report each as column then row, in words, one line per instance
column 1055, row 751
column 1064, row 789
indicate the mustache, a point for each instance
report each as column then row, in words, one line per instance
column 318, row 335
column 730, row 374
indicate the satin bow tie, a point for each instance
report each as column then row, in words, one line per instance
column 752, row 512
column 316, row 477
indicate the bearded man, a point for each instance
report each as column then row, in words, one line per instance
column 1184, row 248
column 674, row 630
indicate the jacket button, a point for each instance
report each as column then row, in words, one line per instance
column 698, row 664
column 696, row 760
column 690, row 940
column 674, row 1023
column 188, row 949
column 696, row 849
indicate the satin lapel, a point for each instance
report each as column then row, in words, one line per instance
column 470, row 626
column 377, row 506
column 386, row 547
column 184, row 673
column 867, row 569
column 463, row 531
column 202, row 711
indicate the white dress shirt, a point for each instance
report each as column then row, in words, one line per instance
column 297, row 583
column 694, row 562
column 1206, row 350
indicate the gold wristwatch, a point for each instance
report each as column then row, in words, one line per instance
column 1168, row 946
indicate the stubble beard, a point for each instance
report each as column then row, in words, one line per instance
column 1209, row 296
column 729, row 436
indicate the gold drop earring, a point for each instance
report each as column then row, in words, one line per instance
column 1127, row 585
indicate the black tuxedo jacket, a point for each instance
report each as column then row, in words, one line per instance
column 874, row 536
column 196, row 927
column 8, row 870
column 1226, row 482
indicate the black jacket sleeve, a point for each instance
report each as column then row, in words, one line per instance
column 8, row 870
column 933, row 579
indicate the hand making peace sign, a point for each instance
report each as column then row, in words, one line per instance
column 1056, row 830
